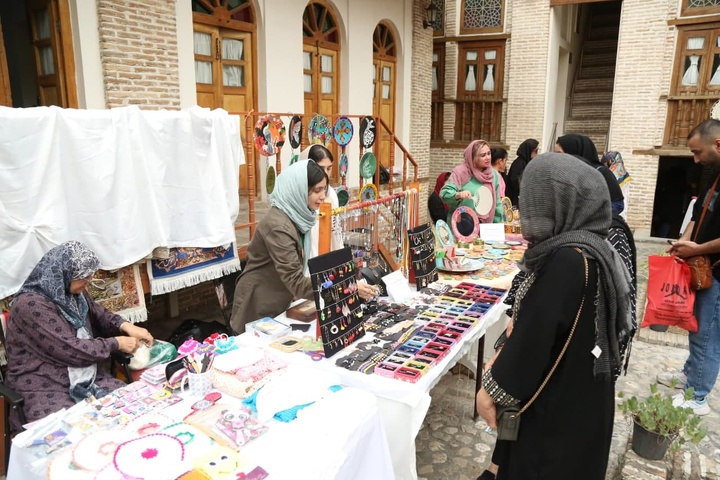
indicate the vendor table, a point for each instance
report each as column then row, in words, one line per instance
column 339, row 436
column 402, row 405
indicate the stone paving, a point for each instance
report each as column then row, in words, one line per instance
column 451, row 445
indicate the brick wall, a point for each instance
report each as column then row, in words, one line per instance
column 420, row 101
column 138, row 49
column 646, row 49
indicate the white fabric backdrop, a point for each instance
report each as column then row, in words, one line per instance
column 123, row 181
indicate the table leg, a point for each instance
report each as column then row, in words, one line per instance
column 478, row 372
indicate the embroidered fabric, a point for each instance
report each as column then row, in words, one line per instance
column 499, row 396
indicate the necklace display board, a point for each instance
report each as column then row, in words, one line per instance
column 336, row 300
column 422, row 255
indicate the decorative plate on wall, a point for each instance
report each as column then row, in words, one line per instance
column 368, row 192
column 444, row 234
column 270, row 179
column 343, row 165
column 269, row 135
column 368, row 165
column 367, row 131
column 343, row 195
column 319, row 130
column 295, row 131
column 508, row 209
column 343, row 131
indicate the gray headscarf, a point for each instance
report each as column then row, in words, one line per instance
column 566, row 204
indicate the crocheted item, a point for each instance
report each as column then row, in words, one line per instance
column 188, row 346
column 247, row 379
column 147, row 423
column 219, row 462
column 196, row 443
column 61, row 467
column 96, row 450
column 228, row 383
column 156, row 456
column 260, row 369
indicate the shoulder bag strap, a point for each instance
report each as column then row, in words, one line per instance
column 708, row 196
column 567, row 342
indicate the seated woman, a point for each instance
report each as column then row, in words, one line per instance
column 57, row 334
column 436, row 207
column 469, row 179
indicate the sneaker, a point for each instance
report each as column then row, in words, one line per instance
column 699, row 407
column 667, row 379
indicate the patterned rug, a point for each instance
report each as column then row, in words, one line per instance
column 188, row 266
column 120, row 291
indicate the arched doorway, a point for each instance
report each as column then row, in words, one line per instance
column 224, row 45
column 321, row 65
column 385, row 63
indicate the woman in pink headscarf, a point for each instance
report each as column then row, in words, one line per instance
column 475, row 184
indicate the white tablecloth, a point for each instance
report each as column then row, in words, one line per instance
column 402, row 405
column 340, row 436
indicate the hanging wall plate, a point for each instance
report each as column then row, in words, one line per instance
column 319, row 130
column 270, row 179
column 343, row 195
column 368, row 165
column 343, row 131
column 343, row 165
column 458, row 216
column 367, row 131
column 368, row 192
column 295, row 131
column 269, row 135
column 444, row 234
column 508, row 209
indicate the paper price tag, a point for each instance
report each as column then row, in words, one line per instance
column 398, row 288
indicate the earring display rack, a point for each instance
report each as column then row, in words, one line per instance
column 338, row 304
column 421, row 242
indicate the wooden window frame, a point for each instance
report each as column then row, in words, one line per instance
column 710, row 49
column 481, row 46
column 439, row 48
column 440, row 6
column 685, row 11
column 497, row 29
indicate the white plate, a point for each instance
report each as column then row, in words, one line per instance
column 468, row 265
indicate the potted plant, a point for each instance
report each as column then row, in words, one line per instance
column 658, row 425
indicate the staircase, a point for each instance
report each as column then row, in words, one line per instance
column 592, row 94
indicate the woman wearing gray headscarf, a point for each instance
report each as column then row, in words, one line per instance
column 57, row 334
column 571, row 267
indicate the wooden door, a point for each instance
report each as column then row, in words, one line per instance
column 321, row 69
column 52, row 47
column 223, row 73
column 5, row 93
column 384, row 60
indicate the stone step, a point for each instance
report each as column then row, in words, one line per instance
column 590, row 110
column 594, row 84
column 599, row 58
column 592, row 98
column 600, row 46
column 637, row 468
column 604, row 32
column 597, row 71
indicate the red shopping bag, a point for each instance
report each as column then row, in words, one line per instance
column 670, row 300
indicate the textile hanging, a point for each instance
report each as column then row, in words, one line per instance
column 122, row 181
column 186, row 267
column 120, row 291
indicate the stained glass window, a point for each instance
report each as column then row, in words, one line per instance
column 700, row 7
column 482, row 14
column 702, row 3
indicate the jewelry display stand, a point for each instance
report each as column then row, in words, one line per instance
column 336, row 299
column 422, row 255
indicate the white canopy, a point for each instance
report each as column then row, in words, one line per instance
column 123, row 181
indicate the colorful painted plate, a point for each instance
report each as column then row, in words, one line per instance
column 270, row 179
column 295, row 131
column 269, row 135
column 368, row 165
column 319, row 130
column 343, row 131
column 367, row 131
column 508, row 209
column 467, row 265
column 513, row 243
column 343, row 165
column 444, row 233
column 343, row 195
column 457, row 216
column 368, row 193
column 492, row 256
column 497, row 251
column 501, row 246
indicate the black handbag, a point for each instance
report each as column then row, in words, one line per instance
column 508, row 418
